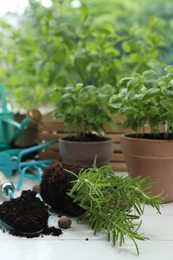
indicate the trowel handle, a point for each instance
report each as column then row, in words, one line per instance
column 6, row 186
column 2, row 177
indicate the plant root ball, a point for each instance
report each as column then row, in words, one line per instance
column 56, row 182
column 64, row 222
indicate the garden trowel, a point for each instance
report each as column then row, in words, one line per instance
column 6, row 186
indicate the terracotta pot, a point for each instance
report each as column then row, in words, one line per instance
column 84, row 152
column 153, row 158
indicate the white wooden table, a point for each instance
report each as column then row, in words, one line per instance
column 79, row 243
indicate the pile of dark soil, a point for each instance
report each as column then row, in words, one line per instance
column 27, row 215
column 56, row 182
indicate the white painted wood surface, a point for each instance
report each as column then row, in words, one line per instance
column 79, row 243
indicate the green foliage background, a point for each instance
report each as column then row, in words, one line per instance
column 97, row 43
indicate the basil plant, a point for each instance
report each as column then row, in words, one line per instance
column 146, row 98
column 84, row 108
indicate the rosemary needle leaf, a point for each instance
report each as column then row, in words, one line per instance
column 112, row 203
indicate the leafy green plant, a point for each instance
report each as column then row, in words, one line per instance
column 63, row 45
column 146, row 98
column 84, row 108
column 112, row 203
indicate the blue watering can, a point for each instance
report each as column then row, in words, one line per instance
column 11, row 157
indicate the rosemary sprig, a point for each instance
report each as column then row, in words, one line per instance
column 113, row 203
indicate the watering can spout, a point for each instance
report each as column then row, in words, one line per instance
column 34, row 115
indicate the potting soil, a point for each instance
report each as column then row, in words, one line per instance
column 27, row 215
column 57, row 180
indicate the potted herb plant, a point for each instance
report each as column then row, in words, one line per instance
column 146, row 99
column 85, row 111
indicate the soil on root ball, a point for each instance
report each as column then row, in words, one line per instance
column 56, row 182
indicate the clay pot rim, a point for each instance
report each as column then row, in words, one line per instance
column 130, row 136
